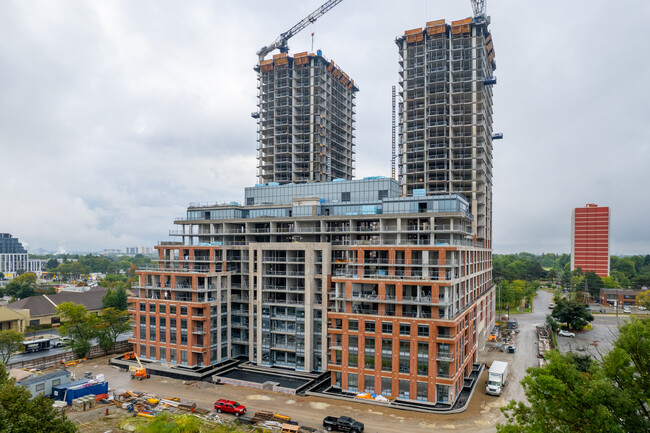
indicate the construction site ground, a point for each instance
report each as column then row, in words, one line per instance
column 481, row 416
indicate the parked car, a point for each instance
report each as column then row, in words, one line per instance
column 551, row 305
column 642, row 308
column 626, row 310
column 564, row 333
column 344, row 423
column 229, row 406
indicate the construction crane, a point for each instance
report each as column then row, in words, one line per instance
column 281, row 42
column 479, row 8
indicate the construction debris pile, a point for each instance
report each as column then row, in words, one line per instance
column 148, row 405
column 543, row 343
column 276, row 422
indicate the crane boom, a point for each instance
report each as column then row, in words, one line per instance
column 281, row 41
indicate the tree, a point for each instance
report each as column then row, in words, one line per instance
column 52, row 263
column 593, row 283
column 573, row 313
column 115, row 299
column 19, row 413
column 627, row 366
column 11, row 341
column 643, row 299
column 574, row 393
column 79, row 325
column 112, row 323
column 23, row 286
column 611, row 283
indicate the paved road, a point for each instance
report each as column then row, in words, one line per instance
column 22, row 357
column 525, row 355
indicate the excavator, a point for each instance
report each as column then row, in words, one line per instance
column 141, row 372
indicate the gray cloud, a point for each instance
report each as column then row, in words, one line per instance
column 115, row 115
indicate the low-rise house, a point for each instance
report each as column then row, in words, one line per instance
column 42, row 308
column 16, row 319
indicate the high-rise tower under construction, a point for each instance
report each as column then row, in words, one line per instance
column 445, row 114
column 305, row 126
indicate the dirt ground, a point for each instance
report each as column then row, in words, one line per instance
column 481, row 416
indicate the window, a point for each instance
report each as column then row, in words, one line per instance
column 369, row 383
column 382, row 193
column 172, row 356
column 370, row 326
column 386, row 328
column 404, row 329
column 442, row 393
column 163, row 354
column 422, row 391
column 143, row 306
column 423, row 330
column 183, row 310
column 172, row 309
column 56, row 382
column 353, row 325
column 184, row 357
column 162, row 308
column 345, row 196
column 404, row 387
column 353, row 384
column 250, row 201
column 369, row 362
column 386, row 355
column 386, row 386
column 40, row 386
column 152, row 308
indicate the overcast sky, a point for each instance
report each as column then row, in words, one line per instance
column 114, row 115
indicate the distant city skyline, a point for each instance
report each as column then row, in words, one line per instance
column 114, row 116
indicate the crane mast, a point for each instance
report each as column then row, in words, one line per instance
column 478, row 6
column 281, row 41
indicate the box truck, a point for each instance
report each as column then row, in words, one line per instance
column 497, row 378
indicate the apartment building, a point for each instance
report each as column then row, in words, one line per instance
column 590, row 239
column 389, row 293
column 15, row 259
column 445, row 114
column 306, row 120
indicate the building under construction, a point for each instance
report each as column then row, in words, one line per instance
column 385, row 284
column 445, row 114
column 305, row 126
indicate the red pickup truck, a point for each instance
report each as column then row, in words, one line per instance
column 230, row 407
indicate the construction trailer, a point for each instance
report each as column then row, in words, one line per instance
column 44, row 384
column 79, row 388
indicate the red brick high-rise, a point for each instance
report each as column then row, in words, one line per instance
column 590, row 239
